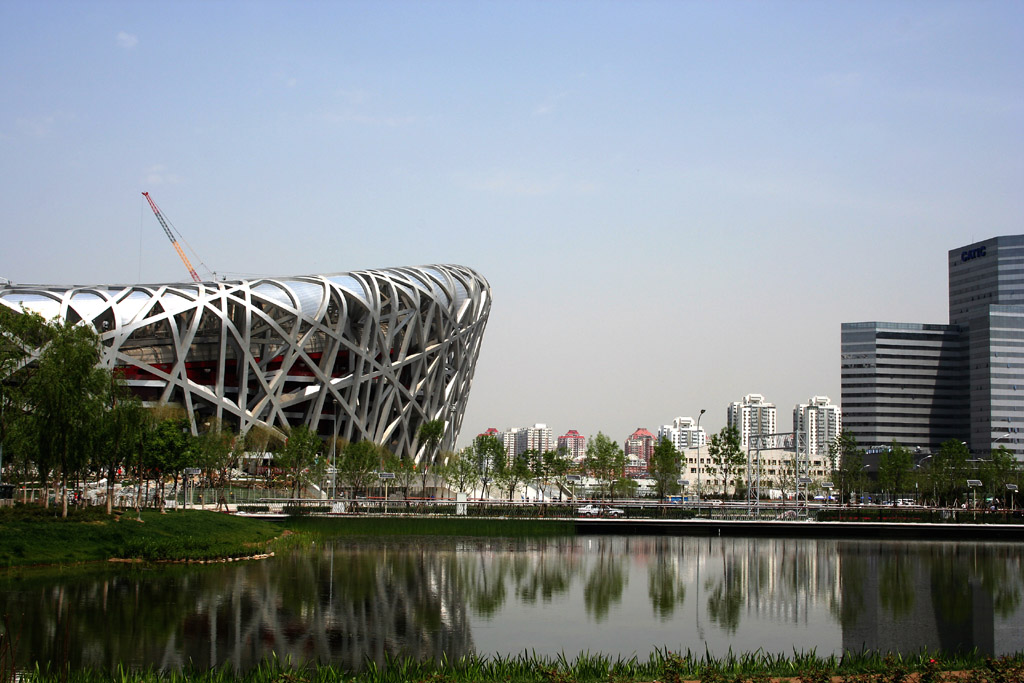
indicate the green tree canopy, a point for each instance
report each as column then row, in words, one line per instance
column 357, row 463
column 726, row 452
column 948, row 471
column 299, row 458
column 605, row 461
column 894, row 469
column 664, row 467
column 489, row 452
column 65, row 397
column 461, row 471
column 847, row 460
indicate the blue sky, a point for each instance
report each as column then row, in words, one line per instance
column 676, row 203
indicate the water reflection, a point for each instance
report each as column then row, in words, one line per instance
column 349, row 603
column 949, row 596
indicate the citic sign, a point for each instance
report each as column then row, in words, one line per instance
column 969, row 254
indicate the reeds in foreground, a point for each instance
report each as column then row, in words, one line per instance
column 662, row 666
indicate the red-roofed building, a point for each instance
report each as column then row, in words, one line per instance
column 639, row 449
column 575, row 445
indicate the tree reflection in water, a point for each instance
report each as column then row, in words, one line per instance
column 666, row 586
column 605, row 581
column 355, row 601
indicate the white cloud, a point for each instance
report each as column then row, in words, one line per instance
column 355, row 96
column 38, row 127
column 366, row 119
column 549, row 105
column 512, row 185
column 158, row 175
column 127, row 40
column 848, row 84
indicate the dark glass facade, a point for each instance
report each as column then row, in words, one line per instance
column 922, row 384
column 903, row 382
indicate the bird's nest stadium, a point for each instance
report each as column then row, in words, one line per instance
column 369, row 354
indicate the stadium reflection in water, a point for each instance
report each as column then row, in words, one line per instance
column 352, row 602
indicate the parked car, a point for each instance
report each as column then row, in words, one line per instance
column 600, row 511
column 609, row 511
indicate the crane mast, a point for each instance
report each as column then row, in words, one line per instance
column 170, row 236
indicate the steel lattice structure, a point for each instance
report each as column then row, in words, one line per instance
column 369, row 354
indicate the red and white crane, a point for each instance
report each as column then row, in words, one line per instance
column 170, row 236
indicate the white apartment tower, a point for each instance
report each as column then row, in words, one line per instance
column 820, row 421
column 751, row 416
column 521, row 439
column 683, row 433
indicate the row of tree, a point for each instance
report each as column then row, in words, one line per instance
column 64, row 418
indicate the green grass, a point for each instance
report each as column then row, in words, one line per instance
column 666, row 666
column 30, row 535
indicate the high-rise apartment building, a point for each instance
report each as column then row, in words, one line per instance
column 574, row 444
column 536, row 438
column 518, row 440
column 683, row 433
column 820, row 422
column 923, row 384
column 640, row 445
column 753, row 415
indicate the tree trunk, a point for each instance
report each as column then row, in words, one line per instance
column 110, row 488
column 64, row 494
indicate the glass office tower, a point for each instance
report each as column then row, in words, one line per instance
column 923, row 384
column 986, row 300
column 903, row 382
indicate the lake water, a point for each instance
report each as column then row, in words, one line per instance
column 426, row 597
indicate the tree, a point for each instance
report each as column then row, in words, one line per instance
column 559, row 466
column 121, row 433
column 430, row 434
column 664, row 467
column 65, row 396
column 1000, row 469
column 490, row 456
column 216, row 452
column 948, row 470
column 20, row 335
column 894, row 469
column 405, row 471
column 605, row 461
column 167, row 446
column 461, row 470
column 516, row 471
column 215, row 449
column 357, row 463
column 298, row 457
column 847, row 459
column 727, row 454
column 547, row 466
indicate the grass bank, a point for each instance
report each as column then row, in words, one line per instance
column 30, row 535
column 667, row 667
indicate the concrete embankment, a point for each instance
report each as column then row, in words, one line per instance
column 803, row 529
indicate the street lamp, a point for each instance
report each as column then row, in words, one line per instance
column 573, row 479
column 974, row 484
column 698, row 459
column 386, row 478
column 1012, row 488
